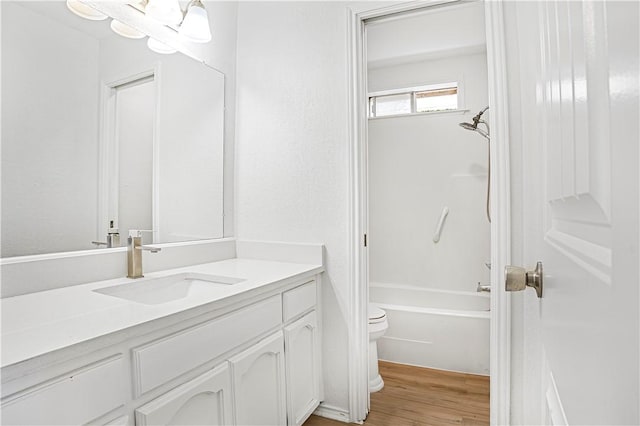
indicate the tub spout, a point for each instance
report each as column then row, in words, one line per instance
column 480, row 288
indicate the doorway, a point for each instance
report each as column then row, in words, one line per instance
column 135, row 106
column 429, row 230
column 361, row 174
column 128, row 170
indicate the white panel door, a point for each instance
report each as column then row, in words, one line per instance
column 579, row 101
column 205, row 400
column 302, row 352
column 259, row 383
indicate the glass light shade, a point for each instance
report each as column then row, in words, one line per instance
column 167, row 12
column 195, row 26
column 160, row 47
column 85, row 11
column 125, row 30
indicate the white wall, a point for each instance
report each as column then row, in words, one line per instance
column 417, row 166
column 50, row 75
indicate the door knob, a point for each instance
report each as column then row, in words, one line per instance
column 517, row 278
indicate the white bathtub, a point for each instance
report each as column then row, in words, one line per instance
column 447, row 330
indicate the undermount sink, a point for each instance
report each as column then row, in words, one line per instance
column 155, row 291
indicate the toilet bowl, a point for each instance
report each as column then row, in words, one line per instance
column 377, row 327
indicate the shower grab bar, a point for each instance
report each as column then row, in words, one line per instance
column 443, row 216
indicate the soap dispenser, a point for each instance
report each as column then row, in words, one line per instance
column 113, row 236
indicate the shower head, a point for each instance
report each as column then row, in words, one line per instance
column 474, row 126
column 476, row 120
column 468, row 126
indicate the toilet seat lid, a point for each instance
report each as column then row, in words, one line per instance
column 375, row 313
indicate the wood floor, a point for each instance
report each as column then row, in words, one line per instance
column 421, row 396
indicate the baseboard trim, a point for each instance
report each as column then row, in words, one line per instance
column 333, row 413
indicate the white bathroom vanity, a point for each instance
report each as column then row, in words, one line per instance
column 235, row 341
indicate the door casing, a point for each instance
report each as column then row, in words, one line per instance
column 108, row 152
column 500, row 345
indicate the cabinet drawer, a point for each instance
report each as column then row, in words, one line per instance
column 160, row 361
column 298, row 300
column 75, row 398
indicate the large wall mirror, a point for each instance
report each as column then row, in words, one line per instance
column 100, row 133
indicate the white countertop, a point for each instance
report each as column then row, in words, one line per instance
column 37, row 323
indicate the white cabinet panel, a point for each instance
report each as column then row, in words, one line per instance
column 298, row 300
column 302, row 349
column 160, row 361
column 259, row 383
column 76, row 398
column 205, row 400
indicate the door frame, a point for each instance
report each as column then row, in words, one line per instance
column 108, row 162
column 500, row 340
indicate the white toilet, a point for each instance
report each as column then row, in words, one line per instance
column 377, row 327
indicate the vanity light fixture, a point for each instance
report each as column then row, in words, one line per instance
column 159, row 47
column 166, row 11
column 126, row 30
column 192, row 26
column 85, row 11
column 195, row 26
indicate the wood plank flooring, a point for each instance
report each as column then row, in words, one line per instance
column 415, row 396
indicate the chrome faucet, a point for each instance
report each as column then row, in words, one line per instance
column 134, row 253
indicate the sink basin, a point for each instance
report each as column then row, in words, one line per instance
column 155, row 291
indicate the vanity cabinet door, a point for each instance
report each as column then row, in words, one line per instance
column 259, row 383
column 302, row 353
column 205, row 400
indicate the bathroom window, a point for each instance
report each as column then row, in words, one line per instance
column 392, row 104
column 424, row 99
column 437, row 99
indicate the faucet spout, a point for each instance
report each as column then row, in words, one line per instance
column 134, row 254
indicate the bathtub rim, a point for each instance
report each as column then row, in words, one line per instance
column 436, row 311
column 383, row 284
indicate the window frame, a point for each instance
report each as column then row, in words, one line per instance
column 372, row 98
